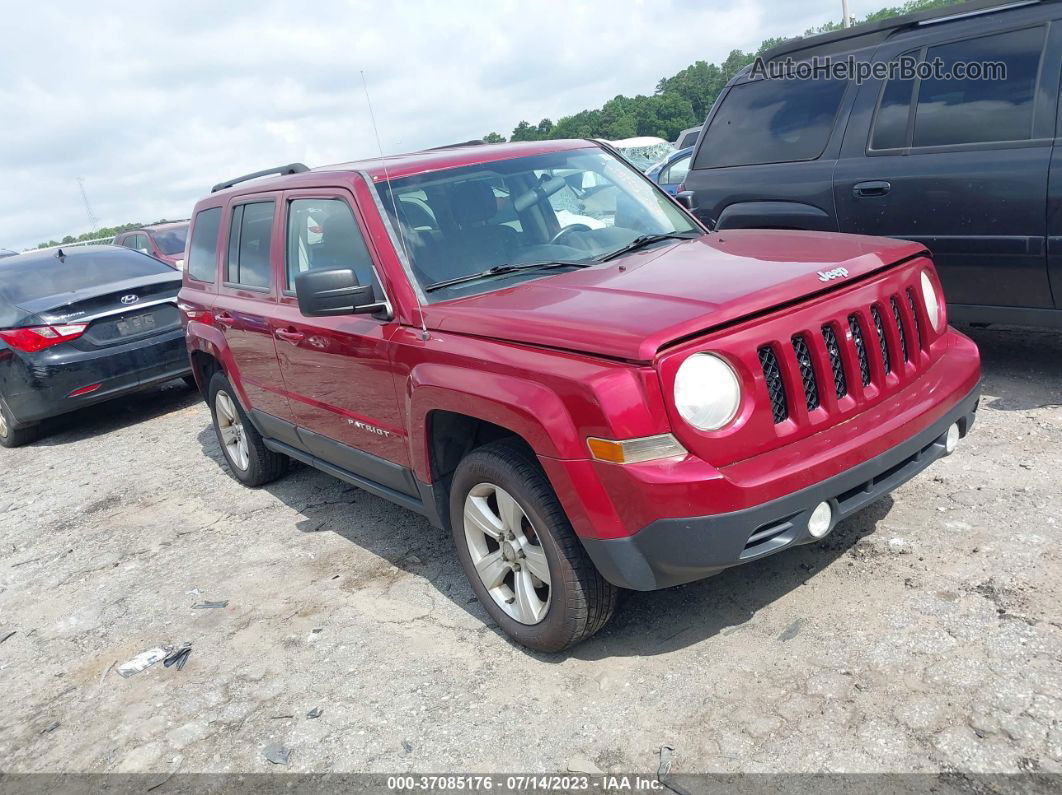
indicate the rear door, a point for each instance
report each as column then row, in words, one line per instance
column 957, row 163
column 247, row 299
column 766, row 159
column 338, row 369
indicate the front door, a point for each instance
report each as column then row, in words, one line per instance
column 337, row 369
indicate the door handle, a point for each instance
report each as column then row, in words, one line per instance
column 290, row 335
column 877, row 187
column 225, row 319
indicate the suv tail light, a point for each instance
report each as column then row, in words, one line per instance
column 37, row 338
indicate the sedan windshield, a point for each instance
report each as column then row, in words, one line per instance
column 566, row 208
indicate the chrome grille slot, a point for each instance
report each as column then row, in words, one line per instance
column 833, row 348
column 861, row 348
column 807, row 371
column 899, row 328
column 879, row 326
column 772, row 374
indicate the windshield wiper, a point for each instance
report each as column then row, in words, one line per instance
column 502, row 270
column 644, row 240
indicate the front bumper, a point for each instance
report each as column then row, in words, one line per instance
column 670, row 552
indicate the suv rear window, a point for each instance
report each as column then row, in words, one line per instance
column 771, row 121
column 202, row 255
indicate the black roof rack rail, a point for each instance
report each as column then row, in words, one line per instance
column 476, row 142
column 871, row 33
column 290, row 168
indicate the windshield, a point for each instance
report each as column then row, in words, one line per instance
column 171, row 241
column 573, row 206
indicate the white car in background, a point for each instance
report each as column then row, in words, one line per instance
column 644, row 151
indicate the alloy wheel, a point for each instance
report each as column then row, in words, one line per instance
column 231, row 430
column 506, row 552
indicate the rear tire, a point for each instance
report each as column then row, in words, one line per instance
column 11, row 435
column 249, row 460
column 518, row 549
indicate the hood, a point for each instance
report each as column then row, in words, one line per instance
column 632, row 306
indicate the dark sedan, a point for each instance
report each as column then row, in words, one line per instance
column 80, row 326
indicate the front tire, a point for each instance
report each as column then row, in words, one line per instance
column 11, row 435
column 249, row 460
column 518, row 549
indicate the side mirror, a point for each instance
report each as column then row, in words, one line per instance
column 335, row 291
column 685, row 198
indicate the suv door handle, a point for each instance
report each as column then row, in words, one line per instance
column 877, row 187
column 290, row 335
column 225, row 319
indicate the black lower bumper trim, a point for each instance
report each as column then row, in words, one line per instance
column 670, row 552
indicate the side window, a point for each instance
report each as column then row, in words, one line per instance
column 202, row 253
column 129, row 241
column 676, row 172
column 142, row 244
column 323, row 233
column 771, row 121
column 250, row 237
column 894, row 109
column 954, row 111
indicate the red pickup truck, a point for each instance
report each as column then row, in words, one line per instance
column 539, row 350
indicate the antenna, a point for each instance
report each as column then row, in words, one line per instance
column 93, row 220
column 394, row 203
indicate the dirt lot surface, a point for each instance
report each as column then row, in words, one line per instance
column 925, row 634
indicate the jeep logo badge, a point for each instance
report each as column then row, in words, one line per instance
column 130, row 299
column 836, row 273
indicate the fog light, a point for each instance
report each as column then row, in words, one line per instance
column 821, row 519
column 951, row 441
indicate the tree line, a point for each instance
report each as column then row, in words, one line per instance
column 679, row 102
column 107, row 231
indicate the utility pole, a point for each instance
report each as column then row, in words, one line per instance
column 88, row 207
column 846, row 19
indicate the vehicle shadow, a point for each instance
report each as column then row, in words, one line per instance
column 104, row 418
column 1021, row 367
column 645, row 624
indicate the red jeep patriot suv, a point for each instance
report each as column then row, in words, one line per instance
column 537, row 348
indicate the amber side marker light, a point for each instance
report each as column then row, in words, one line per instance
column 634, row 451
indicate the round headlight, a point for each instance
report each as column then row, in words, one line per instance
column 929, row 295
column 707, row 392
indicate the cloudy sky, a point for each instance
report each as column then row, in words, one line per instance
column 151, row 103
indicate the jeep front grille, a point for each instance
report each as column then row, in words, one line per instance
column 807, row 364
column 775, row 389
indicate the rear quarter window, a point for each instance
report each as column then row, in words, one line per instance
column 771, row 121
column 203, row 252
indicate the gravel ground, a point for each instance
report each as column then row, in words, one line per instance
column 924, row 634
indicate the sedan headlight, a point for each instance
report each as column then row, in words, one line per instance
column 707, row 391
column 933, row 302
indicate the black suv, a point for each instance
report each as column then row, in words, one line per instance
column 968, row 167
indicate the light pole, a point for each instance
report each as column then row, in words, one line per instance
column 846, row 20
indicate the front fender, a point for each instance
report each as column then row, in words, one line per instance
column 527, row 408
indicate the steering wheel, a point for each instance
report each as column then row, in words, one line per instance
column 568, row 230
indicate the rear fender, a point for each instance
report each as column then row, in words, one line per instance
column 775, row 215
column 204, row 338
